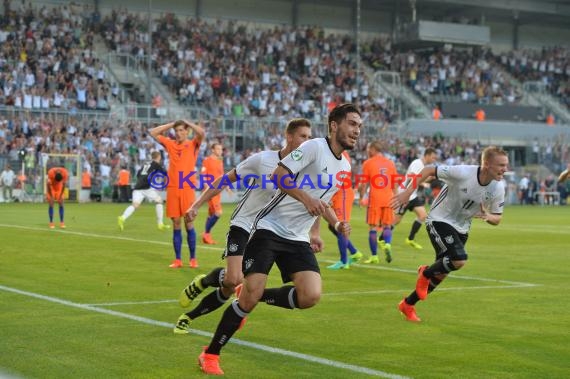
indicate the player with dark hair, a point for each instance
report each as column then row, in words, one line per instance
column 253, row 169
column 56, row 181
column 180, row 191
column 144, row 190
column 470, row 191
column 286, row 230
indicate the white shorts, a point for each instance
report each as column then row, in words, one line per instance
column 150, row 194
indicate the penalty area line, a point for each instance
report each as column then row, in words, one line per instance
column 253, row 345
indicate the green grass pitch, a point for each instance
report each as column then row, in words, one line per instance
column 93, row 302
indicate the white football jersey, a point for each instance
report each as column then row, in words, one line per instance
column 316, row 170
column 415, row 167
column 259, row 191
column 461, row 198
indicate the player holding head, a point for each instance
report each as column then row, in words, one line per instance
column 213, row 166
column 378, row 171
column 144, row 190
column 341, row 204
column 417, row 200
column 56, row 179
column 286, row 230
column 253, row 170
column 180, row 193
column 469, row 191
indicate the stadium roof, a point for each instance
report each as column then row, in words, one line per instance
column 540, row 12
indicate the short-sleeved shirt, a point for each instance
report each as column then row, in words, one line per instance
column 414, row 168
column 213, row 166
column 149, row 168
column 316, row 169
column 182, row 158
column 259, row 191
column 461, row 198
column 51, row 177
column 380, row 172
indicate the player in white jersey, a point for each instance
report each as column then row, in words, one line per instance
column 470, row 192
column 285, row 229
column 417, row 200
column 254, row 174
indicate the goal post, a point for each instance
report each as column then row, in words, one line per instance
column 72, row 163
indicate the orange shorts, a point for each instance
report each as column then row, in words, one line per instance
column 215, row 205
column 341, row 204
column 378, row 216
column 178, row 201
column 56, row 194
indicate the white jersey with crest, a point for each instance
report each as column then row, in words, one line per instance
column 461, row 198
column 414, row 168
column 258, row 192
column 316, row 169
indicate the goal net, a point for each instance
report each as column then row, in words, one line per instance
column 72, row 163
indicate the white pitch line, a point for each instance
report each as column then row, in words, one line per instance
column 270, row 349
column 371, row 267
column 371, row 292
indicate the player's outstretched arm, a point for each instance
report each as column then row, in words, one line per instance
column 403, row 197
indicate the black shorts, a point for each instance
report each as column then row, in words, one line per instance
column 446, row 241
column 265, row 248
column 419, row 201
column 236, row 239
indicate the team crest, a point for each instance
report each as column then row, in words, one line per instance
column 248, row 263
column 297, row 155
column 233, row 247
column 449, row 239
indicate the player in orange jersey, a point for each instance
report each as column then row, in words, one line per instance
column 56, row 179
column 213, row 167
column 181, row 181
column 341, row 204
column 378, row 172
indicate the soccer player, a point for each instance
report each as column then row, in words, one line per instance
column 378, row 172
column 213, row 166
column 144, row 190
column 287, row 226
column 56, row 179
column 341, row 204
column 469, row 192
column 180, row 193
column 258, row 194
column 417, row 200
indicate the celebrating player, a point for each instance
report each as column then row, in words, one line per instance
column 287, row 226
column 469, row 192
column 254, row 169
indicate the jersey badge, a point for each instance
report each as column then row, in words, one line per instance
column 297, row 155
